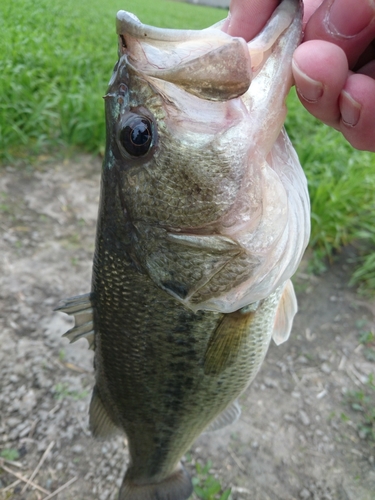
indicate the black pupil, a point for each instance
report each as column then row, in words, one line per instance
column 136, row 136
column 140, row 134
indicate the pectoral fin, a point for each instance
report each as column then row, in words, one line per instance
column 285, row 313
column 225, row 343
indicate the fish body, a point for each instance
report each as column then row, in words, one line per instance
column 203, row 218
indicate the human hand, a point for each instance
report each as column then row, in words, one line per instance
column 247, row 17
column 334, row 74
column 334, row 69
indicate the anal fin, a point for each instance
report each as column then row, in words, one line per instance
column 230, row 415
column 285, row 313
column 101, row 424
column 80, row 307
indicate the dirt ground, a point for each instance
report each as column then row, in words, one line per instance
column 297, row 437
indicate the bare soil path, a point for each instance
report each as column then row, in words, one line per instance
column 297, row 438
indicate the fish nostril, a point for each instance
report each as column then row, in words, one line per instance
column 122, row 89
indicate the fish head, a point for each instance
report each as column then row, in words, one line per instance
column 172, row 110
column 209, row 185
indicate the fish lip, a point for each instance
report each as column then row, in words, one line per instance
column 128, row 23
column 283, row 16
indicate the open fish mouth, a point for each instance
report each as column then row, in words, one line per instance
column 208, row 63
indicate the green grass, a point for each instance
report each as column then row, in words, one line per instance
column 342, row 191
column 10, row 454
column 206, row 486
column 364, row 275
column 367, row 339
column 62, row 391
column 56, row 60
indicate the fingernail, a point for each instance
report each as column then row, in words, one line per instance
column 226, row 23
column 309, row 89
column 350, row 109
column 349, row 17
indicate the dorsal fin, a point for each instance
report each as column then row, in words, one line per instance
column 80, row 307
column 285, row 313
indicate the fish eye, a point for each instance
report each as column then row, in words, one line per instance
column 136, row 135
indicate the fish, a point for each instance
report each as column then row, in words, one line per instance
column 203, row 219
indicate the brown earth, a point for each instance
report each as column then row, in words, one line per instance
column 297, row 438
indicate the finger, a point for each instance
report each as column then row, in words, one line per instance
column 247, row 17
column 350, row 24
column 309, row 7
column 357, row 108
column 320, row 71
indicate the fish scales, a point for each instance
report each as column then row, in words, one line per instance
column 203, row 219
column 156, row 332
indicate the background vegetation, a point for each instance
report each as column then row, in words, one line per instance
column 56, row 59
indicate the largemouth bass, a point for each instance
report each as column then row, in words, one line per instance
column 203, row 219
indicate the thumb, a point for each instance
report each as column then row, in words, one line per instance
column 350, row 24
column 247, row 17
